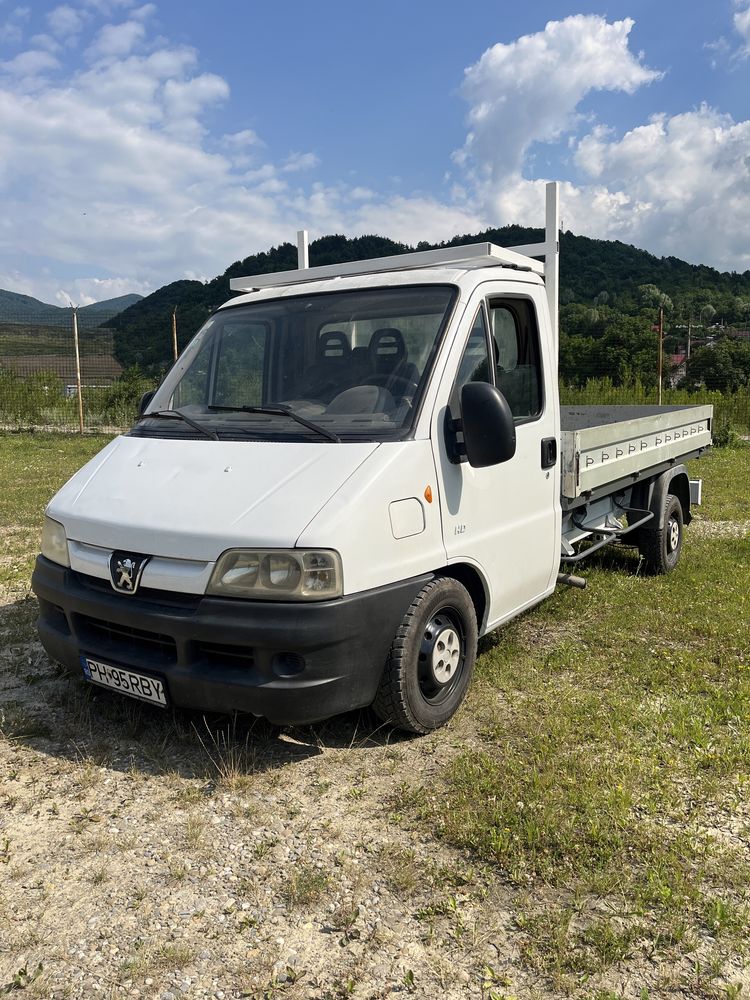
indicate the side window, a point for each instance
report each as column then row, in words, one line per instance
column 475, row 365
column 239, row 365
column 518, row 372
column 192, row 389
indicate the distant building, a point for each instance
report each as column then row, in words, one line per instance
column 96, row 370
column 677, row 368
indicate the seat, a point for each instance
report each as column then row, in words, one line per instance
column 389, row 366
column 330, row 373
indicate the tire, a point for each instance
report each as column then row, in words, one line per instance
column 660, row 548
column 431, row 659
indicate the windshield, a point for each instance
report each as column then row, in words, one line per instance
column 333, row 366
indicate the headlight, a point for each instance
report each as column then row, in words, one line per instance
column 281, row 574
column 54, row 542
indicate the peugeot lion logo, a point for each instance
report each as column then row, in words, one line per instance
column 125, row 571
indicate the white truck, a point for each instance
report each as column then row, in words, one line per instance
column 350, row 474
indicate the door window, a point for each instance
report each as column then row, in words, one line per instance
column 518, row 371
column 475, row 364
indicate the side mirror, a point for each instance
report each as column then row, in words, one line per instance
column 488, row 426
column 145, row 400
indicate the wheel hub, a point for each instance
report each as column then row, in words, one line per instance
column 441, row 655
column 673, row 535
column 446, row 654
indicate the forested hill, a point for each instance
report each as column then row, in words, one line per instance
column 602, row 270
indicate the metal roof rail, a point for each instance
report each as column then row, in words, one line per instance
column 473, row 255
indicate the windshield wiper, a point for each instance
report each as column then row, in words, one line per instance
column 281, row 410
column 175, row 414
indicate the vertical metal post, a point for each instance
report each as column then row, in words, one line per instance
column 303, row 255
column 78, row 368
column 661, row 341
column 552, row 259
column 174, row 333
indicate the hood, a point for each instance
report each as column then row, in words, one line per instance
column 194, row 499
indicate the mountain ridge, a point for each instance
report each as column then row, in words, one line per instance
column 16, row 307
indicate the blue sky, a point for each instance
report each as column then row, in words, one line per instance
column 140, row 143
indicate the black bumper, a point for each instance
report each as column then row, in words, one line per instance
column 292, row 663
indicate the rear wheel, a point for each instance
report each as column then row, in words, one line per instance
column 660, row 548
column 431, row 659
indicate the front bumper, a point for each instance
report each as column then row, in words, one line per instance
column 291, row 663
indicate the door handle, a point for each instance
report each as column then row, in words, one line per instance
column 549, row 452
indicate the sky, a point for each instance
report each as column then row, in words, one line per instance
column 141, row 143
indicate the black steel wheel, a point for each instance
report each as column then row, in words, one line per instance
column 660, row 548
column 431, row 659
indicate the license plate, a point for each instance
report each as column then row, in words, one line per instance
column 125, row 681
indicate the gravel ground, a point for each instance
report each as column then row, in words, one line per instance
column 151, row 856
column 719, row 529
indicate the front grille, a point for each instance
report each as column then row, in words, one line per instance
column 102, row 636
column 217, row 654
column 166, row 598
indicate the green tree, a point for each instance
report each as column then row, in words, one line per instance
column 724, row 365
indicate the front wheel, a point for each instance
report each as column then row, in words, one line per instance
column 431, row 659
column 660, row 548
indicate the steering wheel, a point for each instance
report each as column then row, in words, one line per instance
column 399, row 386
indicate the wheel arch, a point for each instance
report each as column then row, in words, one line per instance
column 476, row 585
column 675, row 481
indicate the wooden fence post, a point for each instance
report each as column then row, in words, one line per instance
column 78, row 368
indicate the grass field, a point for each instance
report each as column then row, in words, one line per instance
column 582, row 828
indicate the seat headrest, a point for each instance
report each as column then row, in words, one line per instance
column 332, row 344
column 387, row 346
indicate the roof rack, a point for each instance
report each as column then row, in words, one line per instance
column 470, row 256
column 473, row 255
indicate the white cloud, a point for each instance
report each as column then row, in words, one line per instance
column 530, row 90
column 409, row 220
column 65, row 22
column 143, row 13
column 115, row 41
column 10, row 33
column 11, row 30
column 676, row 185
column 727, row 51
column 241, row 140
column 124, row 182
column 29, row 65
column 46, row 42
column 742, row 27
column 107, row 7
column 683, row 181
column 300, row 161
column 185, row 100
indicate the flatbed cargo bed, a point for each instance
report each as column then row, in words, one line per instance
column 602, row 446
